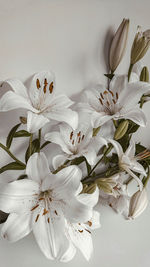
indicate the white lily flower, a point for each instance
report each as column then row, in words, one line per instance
column 129, row 162
column 118, row 102
column 75, row 143
column 42, row 204
column 80, row 233
column 40, row 100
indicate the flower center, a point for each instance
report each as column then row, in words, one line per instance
column 75, row 140
column 108, row 101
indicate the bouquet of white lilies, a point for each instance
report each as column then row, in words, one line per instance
column 95, row 161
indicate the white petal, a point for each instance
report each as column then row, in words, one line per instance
column 94, row 222
column 51, row 236
column 11, row 101
column 99, row 118
column 136, row 115
column 89, row 199
column 130, row 152
column 82, row 239
column 137, row 167
column 16, row 227
column 65, row 183
column 55, row 137
column 118, row 83
column 69, row 254
column 18, row 87
column 90, row 156
column 18, row 196
column 117, row 146
column 58, row 160
column 135, row 177
column 64, row 115
column 58, row 102
column 37, row 167
column 35, row 122
column 76, row 211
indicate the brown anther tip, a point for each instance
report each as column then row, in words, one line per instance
column 111, row 93
column 50, row 199
column 56, row 212
column 83, row 136
column 80, row 231
column 114, row 101
column 117, row 96
column 38, row 84
column 35, row 207
column 48, row 220
column 90, row 223
column 37, row 217
column 79, row 140
column 79, row 134
column 71, row 135
column 87, row 231
column 41, row 198
column 105, row 92
column 108, row 104
column 45, row 212
column 100, row 100
column 72, row 142
column 51, row 86
column 101, row 96
column 45, row 85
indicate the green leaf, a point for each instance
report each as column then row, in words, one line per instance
column 11, row 135
column 139, row 148
column 133, row 127
column 12, row 166
column 21, row 177
column 45, row 144
column 109, row 76
column 3, row 216
column 22, row 133
column 35, row 148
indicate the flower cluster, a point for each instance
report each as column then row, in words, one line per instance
column 55, row 196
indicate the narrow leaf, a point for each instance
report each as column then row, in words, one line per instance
column 22, row 133
column 3, row 216
column 45, row 144
column 35, row 148
column 12, row 166
column 11, row 135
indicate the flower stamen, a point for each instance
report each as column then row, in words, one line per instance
column 51, row 86
column 38, row 84
column 35, row 207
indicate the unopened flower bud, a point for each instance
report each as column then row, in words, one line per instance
column 118, row 45
column 121, row 130
column 23, row 120
column 144, row 76
column 138, row 203
column 89, row 189
column 140, row 45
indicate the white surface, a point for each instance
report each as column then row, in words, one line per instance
column 69, row 37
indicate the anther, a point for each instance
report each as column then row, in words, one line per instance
column 51, row 86
column 34, row 207
column 117, row 96
column 101, row 101
column 101, row 96
column 79, row 140
column 114, row 101
column 42, row 198
column 83, row 136
column 48, row 220
column 80, row 231
column 56, row 212
column 90, row 223
column 71, row 135
column 45, row 212
column 37, row 217
column 105, row 92
column 38, row 84
column 111, row 93
column 72, row 142
column 108, row 104
column 87, row 231
column 45, row 85
column 79, row 134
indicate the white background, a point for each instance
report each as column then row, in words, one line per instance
column 71, row 38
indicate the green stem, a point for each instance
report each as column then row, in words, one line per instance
column 30, row 145
column 61, row 167
column 11, row 155
column 129, row 71
column 39, row 139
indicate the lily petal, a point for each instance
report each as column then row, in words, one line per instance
column 37, row 167
column 16, row 227
column 17, row 196
column 55, row 137
column 117, row 146
column 18, row 87
column 58, row 160
column 35, row 122
column 89, row 199
column 136, row 115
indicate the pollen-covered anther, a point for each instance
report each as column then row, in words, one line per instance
column 83, row 136
column 35, row 207
column 51, row 86
column 102, row 96
column 100, row 100
column 79, row 134
column 114, row 101
column 41, row 198
column 71, row 135
column 111, row 93
column 56, row 212
column 90, row 223
column 72, row 142
column 38, row 84
column 117, row 96
column 37, row 217
column 87, row 231
column 79, row 140
column 48, row 220
column 108, row 104
column 105, row 92
column 45, row 85
column 80, row 231
column 45, row 212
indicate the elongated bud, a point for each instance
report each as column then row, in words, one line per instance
column 138, row 204
column 140, row 45
column 118, row 45
column 96, row 131
column 89, row 189
column 144, row 76
column 121, row 130
column 23, row 120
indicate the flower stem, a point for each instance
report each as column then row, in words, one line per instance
column 39, row 139
column 129, row 71
column 30, row 145
column 11, row 155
